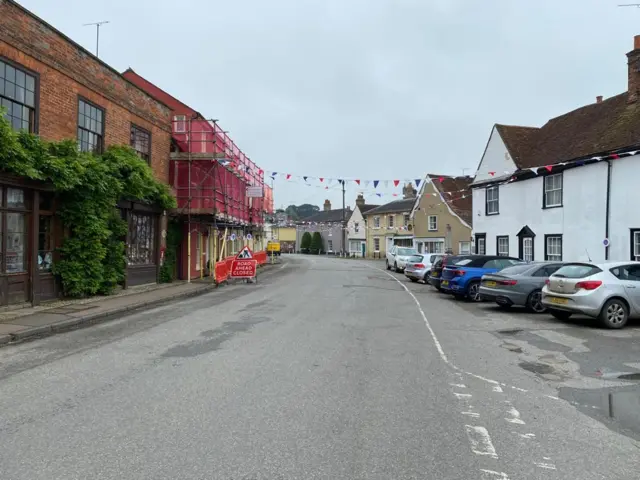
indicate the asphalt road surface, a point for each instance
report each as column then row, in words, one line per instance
column 326, row 369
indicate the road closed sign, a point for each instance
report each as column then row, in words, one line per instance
column 243, row 268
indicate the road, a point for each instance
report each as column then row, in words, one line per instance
column 325, row 369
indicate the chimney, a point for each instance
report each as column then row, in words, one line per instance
column 633, row 62
column 599, row 99
column 360, row 201
column 408, row 191
column 327, row 205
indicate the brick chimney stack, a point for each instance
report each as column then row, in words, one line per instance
column 408, row 191
column 327, row 205
column 360, row 201
column 633, row 62
column 599, row 99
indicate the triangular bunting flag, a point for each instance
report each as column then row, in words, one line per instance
column 321, row 179
column 395, row 194
column 288, row 176
column 548, row 167
column 417, row 180
column 304, row 178
column 491, row 173
column 615, row 156
column 357, row 181
column 386, row 184
column 534, row 170
column 396, row 182
column 375, row 183
column 379, row 194
column 441, row 179
column 260, row 172
column 367, row 182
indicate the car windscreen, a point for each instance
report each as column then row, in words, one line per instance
column 459, row 260
column 434, row 258
column 416, row 259
column 406, row 252
column 577, row 270
column 516, row 269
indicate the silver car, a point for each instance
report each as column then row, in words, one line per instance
column 609, row 292
column 399, row 257
column 519, row 285
column 416, row 270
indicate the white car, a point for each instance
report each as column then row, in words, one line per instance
column 397, row 257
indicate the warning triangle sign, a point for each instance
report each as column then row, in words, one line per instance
column 244, row 253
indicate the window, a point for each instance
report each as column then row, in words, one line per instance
column 18, row 97
column 552, row 191
column 553, row 248
column 635, row 244
column 481, row 241
column 491, row 201
column 90, row 127
column 356, row 227
column 390, row 221
column 330, row 245
column 198, row 251
column 527, row 249
column 141, row 142
column 180, row 123
column 376, row 244
column 502, row 247
column 433, row 223
column 420, row 247
column 627, row 272
column 141, row 244
column 464, row 248
column 434, row 246
column 407, row 219
column 13, row 231
column 376, row 222
column 45, row 232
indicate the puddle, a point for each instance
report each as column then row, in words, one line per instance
column 630, row 376
column 539, row 368
column 214, row 338
column 513, row 331
column 618, row 409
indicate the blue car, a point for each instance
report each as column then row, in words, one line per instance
column 462, row 278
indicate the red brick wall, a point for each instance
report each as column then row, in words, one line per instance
column 67, row 71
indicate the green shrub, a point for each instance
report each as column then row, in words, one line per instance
column 305, row 243
column 316, row 243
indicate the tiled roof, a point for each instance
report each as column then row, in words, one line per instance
column 459, row 201
column 397, row 206
column 593, row 129
column 365, row 208
column 329, row 216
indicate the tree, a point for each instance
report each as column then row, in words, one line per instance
column 298, row 212
column 316, row 243
column 305, row 243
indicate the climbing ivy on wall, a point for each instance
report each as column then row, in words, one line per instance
column 88, row 187
column 174, row 237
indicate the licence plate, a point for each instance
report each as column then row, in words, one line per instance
column 435, row 274
column 444, row 283
column 490, row 284
column 559, row 301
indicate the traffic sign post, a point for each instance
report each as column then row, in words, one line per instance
column 244, row 265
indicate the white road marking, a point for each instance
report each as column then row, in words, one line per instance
column 515, row 417
column 552, row 397
column 528, row 436
column 480, row 441
column 462, row 395
column 471, row 414
column 547, row 466
column 498, row 389
column 459, row 385
column 437, row 343
column 283, row 265
column 491, row 475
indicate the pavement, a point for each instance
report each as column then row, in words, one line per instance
column 324, row 369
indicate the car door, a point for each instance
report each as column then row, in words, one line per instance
column 631, row 281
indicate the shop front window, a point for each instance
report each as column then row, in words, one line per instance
column 14, row 231
column 141, row 242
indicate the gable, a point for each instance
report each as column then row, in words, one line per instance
column 496, row 159
column 356, row 216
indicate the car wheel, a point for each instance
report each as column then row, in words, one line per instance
column 426, row 279
column 534, row 302
column 395, row 267
column 413, row 280
column 614, row 314
column 473, row 292
column 388, row 267
column 560, row 314
column 504, row 306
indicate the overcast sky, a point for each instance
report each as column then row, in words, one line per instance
column 370, row 89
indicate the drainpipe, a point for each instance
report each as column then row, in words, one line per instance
column 608, row 208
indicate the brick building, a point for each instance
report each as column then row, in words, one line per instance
column 55, row 88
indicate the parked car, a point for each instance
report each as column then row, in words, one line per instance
column 435, row 274
column 430, row 259
column 416, row 269
column 519, row 285
column 397, row 257
column 609, row 292
column 463, row 278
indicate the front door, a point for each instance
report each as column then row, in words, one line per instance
column 363, row 247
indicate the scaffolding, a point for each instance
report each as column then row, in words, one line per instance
column 217, row 174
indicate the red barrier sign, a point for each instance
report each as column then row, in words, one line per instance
column 244, row 268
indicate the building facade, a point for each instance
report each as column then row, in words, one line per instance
column 390, row 224
column 51, row 86
column 441, row 215
column 357, row 228
column 329, row 224
column 567, row 190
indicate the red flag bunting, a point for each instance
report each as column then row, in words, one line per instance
column 615, row 156
column 321, row 179
column 441, row 179
column 492, row 173
column 396, row 182
column 548, row 167
column 260, row 172
column 288, row 176
column 358, row 182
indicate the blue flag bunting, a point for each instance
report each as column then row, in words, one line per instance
column 417, row 182
column 379, row 194
column 375, row 183
column 304, row 178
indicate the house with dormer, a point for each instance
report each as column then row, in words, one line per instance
column 567, row 190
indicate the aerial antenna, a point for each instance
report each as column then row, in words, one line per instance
column 630, row 5
column 588, row 256
column 97, row 25
column 464, row 170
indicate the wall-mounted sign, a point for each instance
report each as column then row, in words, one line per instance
column 255, row 191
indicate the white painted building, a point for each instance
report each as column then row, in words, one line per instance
column 567, row 189
column 357, row 228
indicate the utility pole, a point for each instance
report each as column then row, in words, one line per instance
column 97, row 25
column 344, row 226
